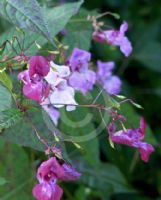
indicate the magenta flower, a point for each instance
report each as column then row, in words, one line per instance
column 52, row 169
column 48, row 173
column 81, row 78
column 115, row 38
column 133, row 138
column 38, row 65
column 34, row 87
column 112, row 84
column 46, row 191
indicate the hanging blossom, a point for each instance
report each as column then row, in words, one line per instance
column 35, row 87
column 82, row 78
column 60, row 93
column 111, row 83
column 132, row 138
column 48, row 174
column 115, row 38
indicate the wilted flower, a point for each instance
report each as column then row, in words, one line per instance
column 111, row 83
column 133, row 138
column 116, row 38
column 81, row 78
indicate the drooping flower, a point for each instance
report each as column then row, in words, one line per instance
column 48, row 173
column 133, row 138
column 111, row 83
column 115, row 38
column 61, row 93
column 81, row 78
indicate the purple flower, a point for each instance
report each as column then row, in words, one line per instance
column 81, row 78
column 47, row 191
column 112, row 84
column 38, row 65
column 133, row 138
column 116, row 38
column 79, row 60
column 83, row 81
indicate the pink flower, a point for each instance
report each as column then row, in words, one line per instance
column 48, row 173
column 34, row 87
column 38, row 65
column 133, row 138
column 46, row 191
column 52, row 169
column 116, row 38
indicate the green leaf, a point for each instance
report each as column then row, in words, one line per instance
column 148, row 57
column 57, row 18
column 2, row 181
column 77, row 127
column 5, row 98
column 26, row 14
column 6, row 81
column 78, row 32
column 16, row 167
column 23, row 133
column 9, row 117
column 106, row 177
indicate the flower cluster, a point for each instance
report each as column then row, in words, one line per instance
column 132, row 138
column 53, row 86
column 48, row 174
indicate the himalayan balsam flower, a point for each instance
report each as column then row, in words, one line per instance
column 61, row 93
column 48, row 173
column 133, row 138
column 38, row 65
column 115, row 38
column 111, row 83
column 34, row 87
column 81, row 78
